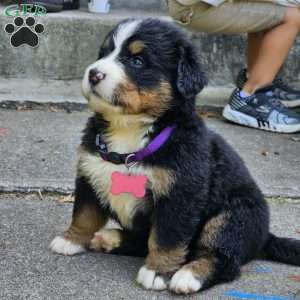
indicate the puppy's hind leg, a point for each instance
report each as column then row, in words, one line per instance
column 191, row 277
column 227, row 241
column 88, row 217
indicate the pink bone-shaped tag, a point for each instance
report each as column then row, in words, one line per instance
column 132, row 184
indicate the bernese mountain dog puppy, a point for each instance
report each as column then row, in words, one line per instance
column 182, row 196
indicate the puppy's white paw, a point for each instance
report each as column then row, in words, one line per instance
column 148, row 279
column 62, row 246
column 159, row 284
column 106, row 240
column 184, row 282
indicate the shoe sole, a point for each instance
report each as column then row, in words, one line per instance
column 291, row 103
column 243, row 119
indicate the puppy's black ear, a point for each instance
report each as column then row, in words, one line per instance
column 190, row 77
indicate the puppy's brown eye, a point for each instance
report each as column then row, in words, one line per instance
column 137, row 61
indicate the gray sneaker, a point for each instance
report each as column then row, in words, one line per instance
column 261, row 110
column 288, row 96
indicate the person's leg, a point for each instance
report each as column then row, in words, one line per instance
column 254, row 42
column 269, row 55
column 261, row 109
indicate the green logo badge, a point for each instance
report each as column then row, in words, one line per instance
column 24, row 30
column 24, row 9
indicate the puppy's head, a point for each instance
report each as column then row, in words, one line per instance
column 144, row 67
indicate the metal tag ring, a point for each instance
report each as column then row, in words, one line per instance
column 130, row 164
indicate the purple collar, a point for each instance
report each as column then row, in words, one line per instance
column 130, row 159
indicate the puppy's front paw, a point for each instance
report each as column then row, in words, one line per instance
column 148, row 279
column 184, row 282
column 106, row 240
column 63, row 246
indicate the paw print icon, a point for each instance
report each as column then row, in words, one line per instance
column 24, row 31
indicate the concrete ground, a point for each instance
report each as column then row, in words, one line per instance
column 28, row 270
column 37, row 153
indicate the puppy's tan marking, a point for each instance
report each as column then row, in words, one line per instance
column 152, row 102
column 116, row 115
column 202, row 267
column 164, row 260
column 190, row 278
column 163, row 180
column 212, row 229
column 156, row 102
column 106, row 240
column 85, row 223
column 136, row 47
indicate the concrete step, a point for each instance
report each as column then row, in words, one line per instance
column 69, row 44
column 38, row 152
column 72, row 38
column 67, row 93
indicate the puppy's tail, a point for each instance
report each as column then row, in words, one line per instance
column 282, row 250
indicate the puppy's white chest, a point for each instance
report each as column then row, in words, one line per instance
column 99, row 173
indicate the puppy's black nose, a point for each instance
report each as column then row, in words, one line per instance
column 95, row 76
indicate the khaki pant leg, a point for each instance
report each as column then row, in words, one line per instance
column 230, row 17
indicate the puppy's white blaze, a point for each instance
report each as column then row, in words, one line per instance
column 146, row 277
column 125, row 31
column 62, row 246
column 109, row 65
column 184, row 282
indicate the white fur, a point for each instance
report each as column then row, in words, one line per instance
column 148, row 279
column 62, row 246
column 110, row 66
column 184, row 282
column 124, row 32
column 99, row 174
column 159, row 284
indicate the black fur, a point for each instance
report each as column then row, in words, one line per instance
column 191, row 79
column 211, row 179
column 283, row 250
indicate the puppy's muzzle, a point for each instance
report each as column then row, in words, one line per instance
column 96, row 76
